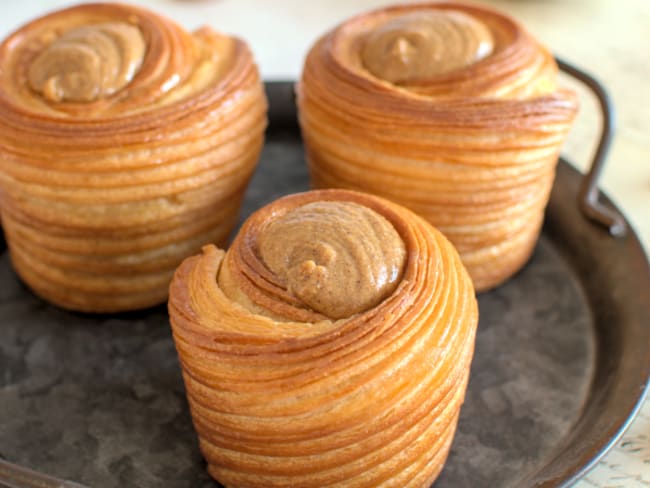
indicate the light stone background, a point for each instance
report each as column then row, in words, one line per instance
column 608, row 38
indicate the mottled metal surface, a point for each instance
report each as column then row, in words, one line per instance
column 100, row 400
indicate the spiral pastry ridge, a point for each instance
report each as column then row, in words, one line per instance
column 448, row 109
column 126, row 143
column 283, row 393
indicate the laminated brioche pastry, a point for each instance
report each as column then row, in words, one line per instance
column 450, row 110
column 329, row 346
column 126, row 143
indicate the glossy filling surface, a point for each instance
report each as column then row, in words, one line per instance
column 338, row 258
column 421, row 45
column 88, row 63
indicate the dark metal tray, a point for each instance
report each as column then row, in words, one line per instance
column 562, row 360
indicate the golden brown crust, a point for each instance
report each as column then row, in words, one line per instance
column 102, row 200
column 305, row 401
column 473, row 150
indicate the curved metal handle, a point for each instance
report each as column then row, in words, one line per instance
column 588, row 196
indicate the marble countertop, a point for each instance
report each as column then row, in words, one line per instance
column 608, row 39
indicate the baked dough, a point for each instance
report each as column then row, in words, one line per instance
column 282, row 394
column 448, row 109
column 125, row 145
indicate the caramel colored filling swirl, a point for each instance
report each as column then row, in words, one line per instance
column 421, row 45
column 88, row 63
column 315, row 403
column 338, row 258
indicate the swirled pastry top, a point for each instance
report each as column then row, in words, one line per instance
column 88, row 62
column 421, row 45
column 102, row 61
column 338, row 258
column 438, row 51
column 317, row 256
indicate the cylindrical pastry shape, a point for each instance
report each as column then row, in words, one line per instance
column 450, row 110
column 329, row 346
column 126, row 144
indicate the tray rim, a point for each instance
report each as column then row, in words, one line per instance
column 562, row 213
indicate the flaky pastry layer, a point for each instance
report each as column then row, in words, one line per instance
column 287, row 397
column 473, row 150
column 101, row 200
